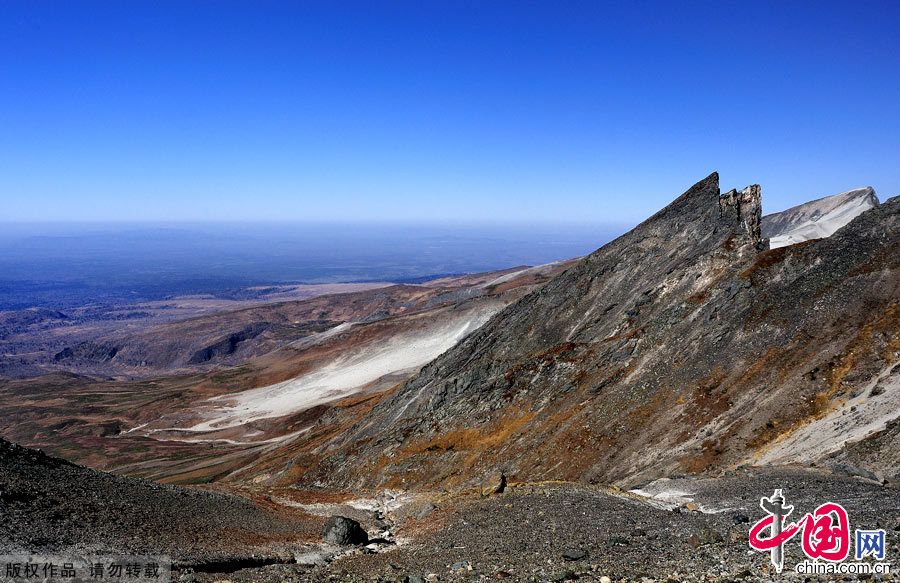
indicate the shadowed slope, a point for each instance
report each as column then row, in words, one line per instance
column 49, row 505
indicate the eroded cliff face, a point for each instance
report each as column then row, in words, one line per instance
column 745, row 209
column 684, row 345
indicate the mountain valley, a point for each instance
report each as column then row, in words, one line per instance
column 612, row 416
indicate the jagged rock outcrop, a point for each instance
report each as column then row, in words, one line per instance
column 817, row 218
column 684, row 345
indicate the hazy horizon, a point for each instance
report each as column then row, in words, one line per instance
column 64, row 265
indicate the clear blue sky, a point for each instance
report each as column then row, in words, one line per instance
column 520, row 111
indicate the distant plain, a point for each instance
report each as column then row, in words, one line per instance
column 62, row 266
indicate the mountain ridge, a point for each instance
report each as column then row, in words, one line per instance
column 614, row 371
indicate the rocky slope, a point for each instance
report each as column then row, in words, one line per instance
column 564, row 531
column 529, row 532
column 817, row 218
column 684, row 345
column 48, row 505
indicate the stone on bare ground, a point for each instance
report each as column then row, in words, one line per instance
column 341, row 530
column 494, row 484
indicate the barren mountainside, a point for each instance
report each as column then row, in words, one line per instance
column 683, row 346
column 51, row 505
column 685, row 361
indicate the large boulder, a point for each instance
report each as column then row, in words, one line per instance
column 494, row 484
column 341, row 530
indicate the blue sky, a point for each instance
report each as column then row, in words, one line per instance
column 437, row 111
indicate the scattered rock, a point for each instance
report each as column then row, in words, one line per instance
column 311, row 559
column 425, row 511
column 574, row 554
column 703, row 537
column 853, row 471
column 461, row 566
column 740, row 518
column 494, row 484
column 341, row 530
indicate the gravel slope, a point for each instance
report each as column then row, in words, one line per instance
column 562, row 531
column 48, row 505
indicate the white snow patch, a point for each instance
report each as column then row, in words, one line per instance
column 662, row 492
column 320, row 337
column 668, row 493
column 515, row 274
column 338, row 378
column 279, row 439
column 820, row 218
column 388, row 501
